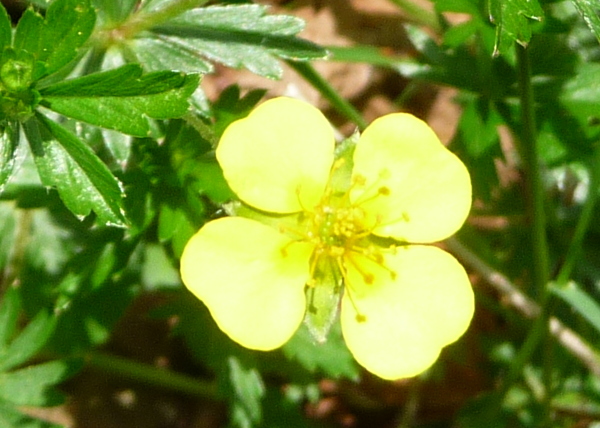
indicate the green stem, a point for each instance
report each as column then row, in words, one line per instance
column 535, row 202
column 535, row 189
column 307, row 71
column 576, row 245
column 151, row 375
column 419, row 15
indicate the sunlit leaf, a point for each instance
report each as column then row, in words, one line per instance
column 122, row 99
column 580, row 301
column 239, row 36
column 82, row 180
column 589, row 11
column 512, row 21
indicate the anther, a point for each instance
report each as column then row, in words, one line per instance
column 384, row 191
column 361, row 318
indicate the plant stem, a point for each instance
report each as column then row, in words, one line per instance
column 151, row 375
column 535, row 204
column 307, row 71
column 534, row 186
column 583, row 223
column 511, row 295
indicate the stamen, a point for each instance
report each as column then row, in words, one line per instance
column 361, row 181
column 384, row 191
column 360, row 317
column 374, row 255
column 368, row 277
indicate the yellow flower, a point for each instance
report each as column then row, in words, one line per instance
column 402, row 301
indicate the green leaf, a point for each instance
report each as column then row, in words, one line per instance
column 122, row 99
column 581, row 93
column 588, row 9
column 114, row 11
column 240, row 36
column 512, row 22
column 245, row 390
column 331, row 358
column 29, row 33
column 10, row 307
column 83, row 182
column 5, row 28
column 56, row 39
column 28, row 342
column 157, row 269
column 9, row 141
column 8, row 237
column 31, row 385
column 157, row 53
column 580, row 301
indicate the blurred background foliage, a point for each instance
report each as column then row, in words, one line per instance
column 110, row 112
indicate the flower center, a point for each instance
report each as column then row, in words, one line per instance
column 340, row 232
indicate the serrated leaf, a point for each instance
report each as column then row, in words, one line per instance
column 331, row 358
column 122, row 99
column 157, row 53
column 245, row 390
column 9, row 141
column 241, row 36
column 31, row 386
column 56, row 39
column 33, row 337
column 580, row 301
column 83, row 182
column 512, row 22
column 589, row 9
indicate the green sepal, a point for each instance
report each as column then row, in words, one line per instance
column 83, row 182
column 341, row 175
column 323, row 298
column 122, row 99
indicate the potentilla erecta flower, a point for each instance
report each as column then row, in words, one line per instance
column 364, row 218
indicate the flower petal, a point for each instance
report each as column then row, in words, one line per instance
column 278, row 158
column 250, row 277
column 427, row 193
column 408, row 319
